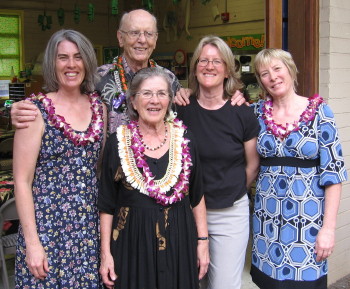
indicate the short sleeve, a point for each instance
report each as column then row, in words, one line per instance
column 196, row 181
column 107, row 197
column 332, row 165
column 251, row 124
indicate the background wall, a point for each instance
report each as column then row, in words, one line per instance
column 335, row 87
column 246, row 17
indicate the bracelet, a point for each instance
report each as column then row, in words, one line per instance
column 202, row 238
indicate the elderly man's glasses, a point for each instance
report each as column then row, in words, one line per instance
column 134, row 34
column 204, row 62
column 147, row 94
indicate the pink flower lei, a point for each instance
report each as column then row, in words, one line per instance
column 178, row 177
column 282, row 131
column 78, row 138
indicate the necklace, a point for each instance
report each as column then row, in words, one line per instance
column 157, row 147
column 282, row 131
column 121, row 81
column 138, row 173
column 94, row 130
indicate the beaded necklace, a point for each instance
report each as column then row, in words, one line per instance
column 157, row 147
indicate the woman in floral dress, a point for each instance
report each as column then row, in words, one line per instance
column 55, row 172
column 299, row 184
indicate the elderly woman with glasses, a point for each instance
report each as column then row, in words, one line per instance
column 226, row 136
column 153, row 217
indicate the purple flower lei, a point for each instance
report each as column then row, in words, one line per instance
column 154, row 191
column 82, row 138
column 282, row 131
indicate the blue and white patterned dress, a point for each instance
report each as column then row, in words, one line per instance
column 289, row 202
column 65, row 203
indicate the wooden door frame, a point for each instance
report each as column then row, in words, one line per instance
column 303, row 38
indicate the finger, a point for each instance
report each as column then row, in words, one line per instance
column 46, row 265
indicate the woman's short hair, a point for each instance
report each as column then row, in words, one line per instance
column 86, row 51
column 232, row 83
column 264, row 58
column 136, row 83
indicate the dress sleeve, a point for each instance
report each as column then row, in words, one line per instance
column 332, row 165
column 107, row 198
column 196, row 181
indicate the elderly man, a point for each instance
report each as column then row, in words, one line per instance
column 137, row 35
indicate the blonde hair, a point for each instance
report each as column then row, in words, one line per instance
column 265, row 56
column 232, row 83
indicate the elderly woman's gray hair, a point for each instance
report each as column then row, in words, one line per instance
column 136, row 83
column 86, row 51
column 264, row 58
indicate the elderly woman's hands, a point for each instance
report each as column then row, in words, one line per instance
column 107, row 270
column 203, row 257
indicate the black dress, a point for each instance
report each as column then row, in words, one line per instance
column 154, row 246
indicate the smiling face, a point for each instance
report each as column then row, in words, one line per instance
column 152, row 110
column 275, row 78
column 70, row 70
column 137, row 51
column 211, row 76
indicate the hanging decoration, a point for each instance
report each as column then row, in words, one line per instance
column 148, row 5
column 45, row 21
column 91, row 12
column 76, row 13
column 60, row 16
column 114, row 6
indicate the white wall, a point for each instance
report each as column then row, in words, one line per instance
column 335, row 88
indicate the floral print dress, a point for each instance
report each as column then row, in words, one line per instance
column 65, row 196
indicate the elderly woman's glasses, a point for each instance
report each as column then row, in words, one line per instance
column 147, row 94
column 204, row 62
column 134, row 34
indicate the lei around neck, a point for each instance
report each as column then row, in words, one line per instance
column 92, row 134
column 282, row 131
column 120, row 95
column 137, row 171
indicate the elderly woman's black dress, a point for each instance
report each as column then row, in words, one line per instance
column 154, row 246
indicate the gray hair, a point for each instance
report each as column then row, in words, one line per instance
column 86, row 51
column 265, row 56
column 233, row 82
column 137, row 81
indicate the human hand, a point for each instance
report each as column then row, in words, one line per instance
column 182, row 96
column 36, row 260
column 23, row 112
column 107, row 270
column 324, row 244
column 202, row 257
column 238, row 99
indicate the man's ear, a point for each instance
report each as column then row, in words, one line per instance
column 120, row 38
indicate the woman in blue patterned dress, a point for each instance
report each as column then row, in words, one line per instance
column 299, row 184
column 55, row 172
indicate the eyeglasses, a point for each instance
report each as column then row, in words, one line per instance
column 204, row 62
column 148, row 94
column 134, row 34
